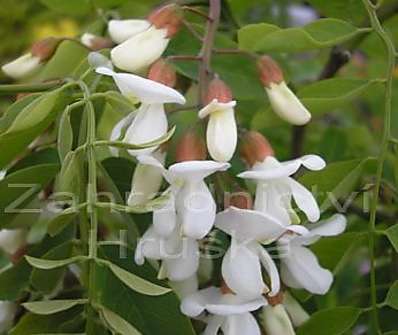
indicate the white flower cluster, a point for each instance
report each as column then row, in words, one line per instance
column 251, row 278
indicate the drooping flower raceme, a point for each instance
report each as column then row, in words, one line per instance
column 188, row 216
column 299, row 265
column 283, row 101
column 142, row 42
column 275, row 187
column 241, row 267
column 150, row 121
column 228, row 312
column 221, row 133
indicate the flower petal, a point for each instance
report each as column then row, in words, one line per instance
column 149, row 246
column 117, row 131
column 165, row 218
column 286, row 105
column 197, row 170
column 296, row 313
column 122, row 30
column 304, row 200
column 213, row 325
column 276, row 321
column 241, row 324
column 303, row 268
column 215, row 106
column 248, row 225
column 22, row 66
column 222, row 135
column 241, row 271
column 195, row 304
column 271, row 269
column 196, row 208
column 333, row 226
column 147, row 91
column 230, row 304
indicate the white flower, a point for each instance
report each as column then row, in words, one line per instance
column 276, row 321
column 141, row 50
column 241, row 266
column 120, row 129
column 179, row 255
column 228, row 312
column 11, row 240
column 299, row 265
column 146, row 181
column 221, row 129
column 122, row 30
column 285, row 103
column 194, row 203
column 275, row 187
column 7, row 314
column 296, row 312
column 22, row 66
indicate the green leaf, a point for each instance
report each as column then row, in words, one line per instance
column 65, row 135
column 335, row 182
column 70, row 7
column 48, row 264
column 14, row 280
column 136, row 283
column 322, row 33
column 52, row 306
column 392, row 296
column 35, row 113
column 322, row 96
column 68, row 180
column 333, row 321
column 118, row 324
column 392, row 234
column 59, row 222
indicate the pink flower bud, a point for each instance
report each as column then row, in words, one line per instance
column 167, row 17
column 255, row 147
column 190, row 147
column 219, row 90
column 45, row 48
column 270, row 72
column 163, row 73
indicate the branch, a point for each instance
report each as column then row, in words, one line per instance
column 30, row 88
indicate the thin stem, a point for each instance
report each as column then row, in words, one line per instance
column 207, row 48
column 197, row 12
column 30, row 88
column 184, row 58
column 389, row 46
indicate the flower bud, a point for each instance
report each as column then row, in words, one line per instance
column 121, row 30
column 276, row 321
column 167, row 17
column 283, row 101
column 95, row 42
column 22, row 66
column 163, row 73
column 45, row 48
column 190, row 147
column 221, row 134
column 255, row 147
column 297, row 313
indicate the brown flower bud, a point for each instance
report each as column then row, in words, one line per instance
column 99, row 43
column 163, row 73
column 218, row 90
column 255, row 147
column 45, row 48
column 167, row 17
column 276, row 300
column 241, row 199
column 270, row 72
column 190, row 147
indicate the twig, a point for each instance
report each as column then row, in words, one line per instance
column 184, row 57
column 197, row 12
column 193, row 32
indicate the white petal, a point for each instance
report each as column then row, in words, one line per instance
column 241, row 324
column 215, row 106
column 222, row 135
column 247, row 225
column 304, row 200
column 304, row 268
column 197, row 170
column 271, row 269
column 145, row 183
column 333, row 226
column 213, row 325
column 196, row 303
column 12, row 239
column 296, row 313
column 149, row 124
column 241, row 271
column 22, row 66
column 276, row 321
column 185, row 288
column 122, row 30
column 230, row 304
column 184, row 262
column 141, row 50
column 196, row 208
column 149, row 246
column 313, row 162
column 145, row 90
column 285, row 103
column 117, row 131
column 165, row 219
column 98, row 60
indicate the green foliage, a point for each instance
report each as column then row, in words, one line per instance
column 392, row 296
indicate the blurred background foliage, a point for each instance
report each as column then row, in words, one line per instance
column 347, row 112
